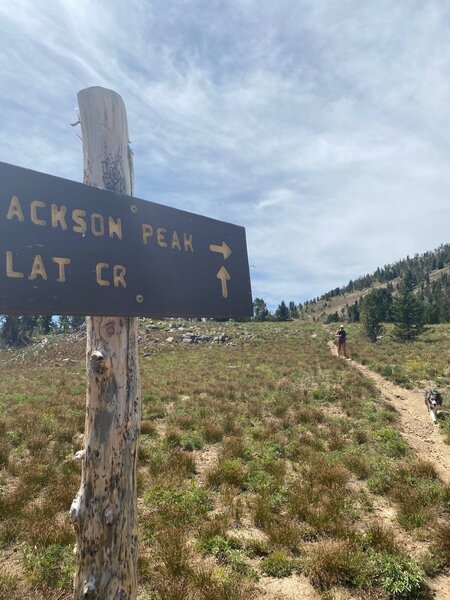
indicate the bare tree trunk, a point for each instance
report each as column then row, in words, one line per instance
column 104, row 512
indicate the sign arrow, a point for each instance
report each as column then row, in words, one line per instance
column 223, row 249
column 224, row 276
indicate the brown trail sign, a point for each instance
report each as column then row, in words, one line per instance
column 69, row 248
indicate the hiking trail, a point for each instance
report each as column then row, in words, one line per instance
column 417, row 427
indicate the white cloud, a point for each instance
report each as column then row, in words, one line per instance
column 320, row 126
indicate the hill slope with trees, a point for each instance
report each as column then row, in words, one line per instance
column 428, row 273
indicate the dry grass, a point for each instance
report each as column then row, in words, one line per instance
column 292, row 428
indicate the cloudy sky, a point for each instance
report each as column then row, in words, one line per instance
column 322, row 126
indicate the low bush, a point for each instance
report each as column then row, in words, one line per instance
column 51, row 566
column 380, row 538
column 227, row 551
column 212, row 431
column 180, row 504
column 289, row 534
column 9, row 587
column 148, row 427
column 417, row 499
column 278, row 564
column 358, row 464
column 381, row 478
column 231, row 472
column 263, row 511
column 334, row 562
column 400, row 577
column 441, row 541
column 393, row 443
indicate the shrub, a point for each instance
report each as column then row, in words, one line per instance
column 217, row 526
column 4, row 451
column 8, row 587
column 278, row 564
column 226, row 550
column 381, row 478
column 385, row 371
column 191, row 441
column 380, row 538
column 332, row 562
column 400, row 577
column 263, row 511
column 393, row 443
column 52, row 566
column 148, row 427
column 441, row 541
column 212, row 431
column 182, row 505
column 358, row 464
column 231, row 472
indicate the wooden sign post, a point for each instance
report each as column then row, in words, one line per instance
column 71, row 248
column 104, row 512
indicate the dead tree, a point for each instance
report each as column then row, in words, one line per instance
column 104, row 512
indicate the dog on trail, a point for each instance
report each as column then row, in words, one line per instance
column 433, row 400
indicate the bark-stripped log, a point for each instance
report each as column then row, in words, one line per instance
column 104, row 511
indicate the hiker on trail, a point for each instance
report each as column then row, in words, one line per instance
column 341, row 339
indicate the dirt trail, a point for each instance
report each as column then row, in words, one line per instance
column 422, row 434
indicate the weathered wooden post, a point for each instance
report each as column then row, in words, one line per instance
column 104, row 512
column 63, row 258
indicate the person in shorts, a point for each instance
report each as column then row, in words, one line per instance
column 341, row 341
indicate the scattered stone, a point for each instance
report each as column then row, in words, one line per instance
column 170, row 340
column 78, row 455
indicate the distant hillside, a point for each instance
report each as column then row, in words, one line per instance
column 430, row 273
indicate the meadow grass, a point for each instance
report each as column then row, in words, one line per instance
column 406, row 364
column 420, row 364
column 270, row 438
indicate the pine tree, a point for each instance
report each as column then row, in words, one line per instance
column 332, row 318
column 353, row 312
column 407, row 312
column 45, row 323
column 370, row 317
column 293, row 310
column 75, row 322
column 282, row 312
column 17, row 330
column 63, row 324
column 260, row 311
